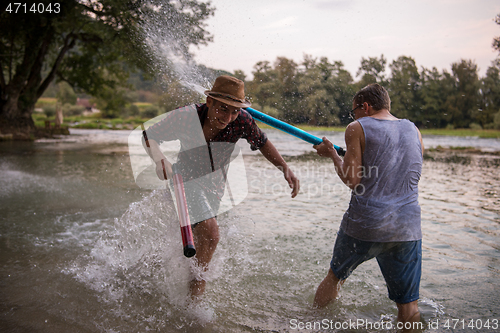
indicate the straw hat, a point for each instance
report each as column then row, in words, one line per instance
column 229, row 90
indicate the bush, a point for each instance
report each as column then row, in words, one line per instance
column 496, row 121
column 475, row 126
column 133, row 110
column 72, row 110
column 45, row 101
column 150, row 112
column 273, row 112
column 49, row 110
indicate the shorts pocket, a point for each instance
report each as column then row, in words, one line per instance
column 407, row 252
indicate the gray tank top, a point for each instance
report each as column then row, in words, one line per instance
column 384, row 206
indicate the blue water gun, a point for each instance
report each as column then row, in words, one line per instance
column 297, row 132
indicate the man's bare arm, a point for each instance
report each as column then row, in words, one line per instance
column 350, row 168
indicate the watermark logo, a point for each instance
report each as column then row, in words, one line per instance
column 318, row 179
column 214, row 174
column 358, row 324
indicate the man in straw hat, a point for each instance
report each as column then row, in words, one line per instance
column 222, row 121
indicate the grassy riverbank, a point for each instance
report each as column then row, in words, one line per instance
column 93, row 122
column 463, row 132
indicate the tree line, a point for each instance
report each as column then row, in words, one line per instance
column 94, row 46
column 319, row 92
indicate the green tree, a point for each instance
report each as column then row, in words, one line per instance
column 434, row 91
column 337, row 90
column 84, row 43
column 112, row 101
column 491, row 89
column 372, row 70
column 318, row 93
column 450, row 106
column 66, row 94
column 490, row 95
column 286, row 88
column 342, row 89
column 315, row 105
column 496, row 40
column 239, row 74
column 325, row 93
column 262, row 89
column 466, row 97
column 404, row 88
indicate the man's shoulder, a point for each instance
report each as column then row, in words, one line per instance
column 354, row 127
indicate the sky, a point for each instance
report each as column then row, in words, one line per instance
column 435, row 33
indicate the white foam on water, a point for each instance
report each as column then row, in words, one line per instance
column 21, row 182
column 138, row 268
column 431, row 307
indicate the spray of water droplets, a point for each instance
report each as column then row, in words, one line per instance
column 169, row 58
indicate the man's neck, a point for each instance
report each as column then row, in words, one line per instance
column 381, row 114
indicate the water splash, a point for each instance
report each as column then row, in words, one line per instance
column 431, row 307
column 138, row 267
column 170, row 59
column 136, row 270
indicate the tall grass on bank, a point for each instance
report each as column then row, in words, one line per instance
column 463, row 132
column 92, row 122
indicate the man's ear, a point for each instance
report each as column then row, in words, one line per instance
column 209, row 101
column 366, row 108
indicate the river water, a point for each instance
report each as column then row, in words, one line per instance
column 84, row 249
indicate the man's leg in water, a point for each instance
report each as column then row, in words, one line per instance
column 328, row 290
column 409, row 313
column 206, row 237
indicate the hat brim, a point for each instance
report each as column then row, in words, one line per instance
column 228, row 101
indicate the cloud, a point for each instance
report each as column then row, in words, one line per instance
column 283, row 23
column 333, row 4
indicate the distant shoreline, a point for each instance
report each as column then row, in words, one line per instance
column 462, row 132
column 131, row 123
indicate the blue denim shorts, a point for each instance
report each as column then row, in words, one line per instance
column 400, row 263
